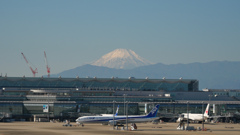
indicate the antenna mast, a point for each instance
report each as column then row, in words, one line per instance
column 46, row 62
column 33, row 71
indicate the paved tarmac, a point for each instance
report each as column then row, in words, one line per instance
column 48, row 128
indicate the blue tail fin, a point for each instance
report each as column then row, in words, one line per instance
column 117, row 111
column 153, row 112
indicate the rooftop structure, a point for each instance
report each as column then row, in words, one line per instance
column 130, row 84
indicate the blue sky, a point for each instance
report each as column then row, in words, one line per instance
column 76, row 32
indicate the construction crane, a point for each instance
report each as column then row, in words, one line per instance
column 48, row 68
column 33, row 71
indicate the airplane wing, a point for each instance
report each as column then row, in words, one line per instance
column 218, row 116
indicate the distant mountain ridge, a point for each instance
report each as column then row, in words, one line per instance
column 214, row 75
column 121, row 59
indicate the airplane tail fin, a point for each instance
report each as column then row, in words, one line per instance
column 153, row 112
column 117, row 111
column 206, row 111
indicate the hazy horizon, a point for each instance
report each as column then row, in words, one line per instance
column 78, row 32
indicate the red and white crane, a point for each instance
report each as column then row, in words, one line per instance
column 33, row 71
column 46, row 62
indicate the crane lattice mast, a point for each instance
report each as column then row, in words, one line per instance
column 48, row 68
column 33, row 71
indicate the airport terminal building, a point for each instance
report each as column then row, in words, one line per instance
column 61, row 98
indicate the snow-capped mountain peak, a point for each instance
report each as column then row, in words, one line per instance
column 121, row 59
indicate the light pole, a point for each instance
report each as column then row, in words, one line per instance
column 187, row 114
column 127, row 114
column 124, row 97
column 210, row 98
column 48, row 107
column 202, row 118
column 113, row 114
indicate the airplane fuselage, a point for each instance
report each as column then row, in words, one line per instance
column 194, row 117
column 120, row 119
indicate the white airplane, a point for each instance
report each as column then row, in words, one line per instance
column 120, row 119
column 194, row 116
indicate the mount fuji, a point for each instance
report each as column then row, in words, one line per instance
column 124, row 63
column 121, row 59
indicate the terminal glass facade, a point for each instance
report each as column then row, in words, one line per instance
column 102, row 84
column 24, row 97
